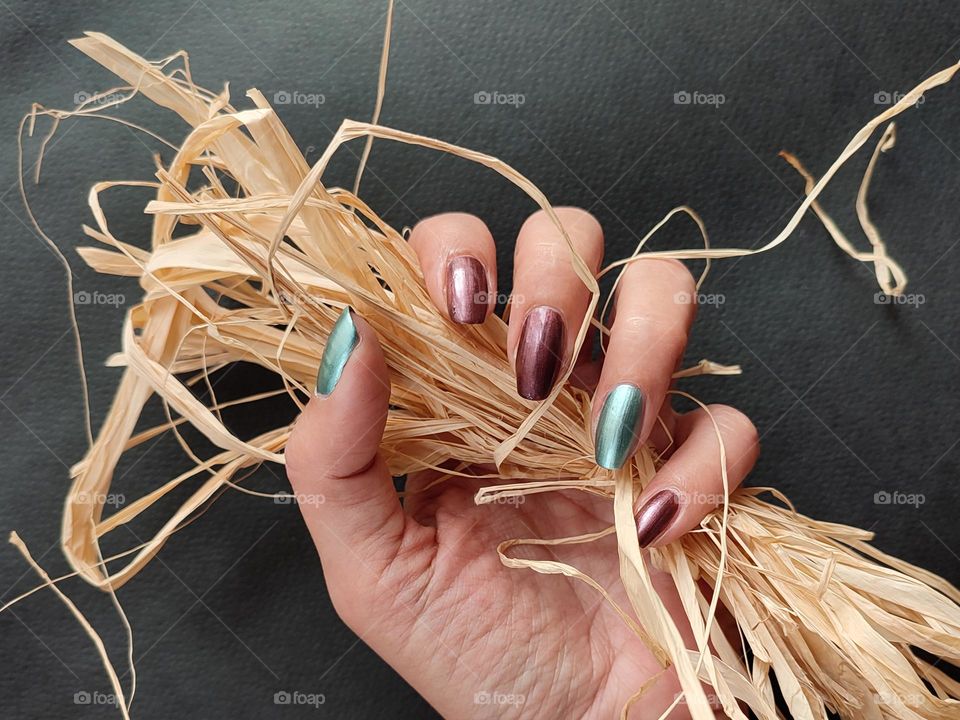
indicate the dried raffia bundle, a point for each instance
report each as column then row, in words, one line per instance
column 261, row 277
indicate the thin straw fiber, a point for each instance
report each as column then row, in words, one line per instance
column 259, row 273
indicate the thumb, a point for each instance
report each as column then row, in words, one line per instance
column 343, row 487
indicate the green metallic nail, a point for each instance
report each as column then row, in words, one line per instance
column 618, row 429
column 341, row 342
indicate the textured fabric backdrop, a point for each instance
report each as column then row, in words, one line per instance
column 852, row 397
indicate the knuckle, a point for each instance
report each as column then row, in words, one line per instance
column 663, row 286
column 444, row 228
column 673, row 272
column 568, row 215
column 734, row 423
column 295, row 459
column 443, row 220
column 539, row 256
column 654, row 331
column 682, row 287
column 581, row 222
column 540, row 233
column 678, row 272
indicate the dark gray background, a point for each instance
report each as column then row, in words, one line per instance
column 851, row 397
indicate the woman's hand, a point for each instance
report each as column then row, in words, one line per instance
column 422, row 583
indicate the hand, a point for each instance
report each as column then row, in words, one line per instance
column 421, row 583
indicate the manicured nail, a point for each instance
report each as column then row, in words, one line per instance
column 539, row 352
column 467, row 292
column 656, row 515
column 341, row 342
column 618, row 429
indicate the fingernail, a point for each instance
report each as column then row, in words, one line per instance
column 618, row 429
column 539, row 353
column 656, row 515
column 467, row 291
column 342, row 340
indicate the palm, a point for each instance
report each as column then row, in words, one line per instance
column 423, row 585
column 515, row 637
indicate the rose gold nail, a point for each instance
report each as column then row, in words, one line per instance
column 467, row 292
column 539, row 352
column 655, row 516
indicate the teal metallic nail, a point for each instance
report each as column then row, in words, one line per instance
column 618, row 429
column 341, row 342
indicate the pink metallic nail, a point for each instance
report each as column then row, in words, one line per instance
column 540, row 352
column 467, row 293
column 656, row 515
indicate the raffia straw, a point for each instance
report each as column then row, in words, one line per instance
column 122, row 703
column 890, row 276
column 832, row 621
